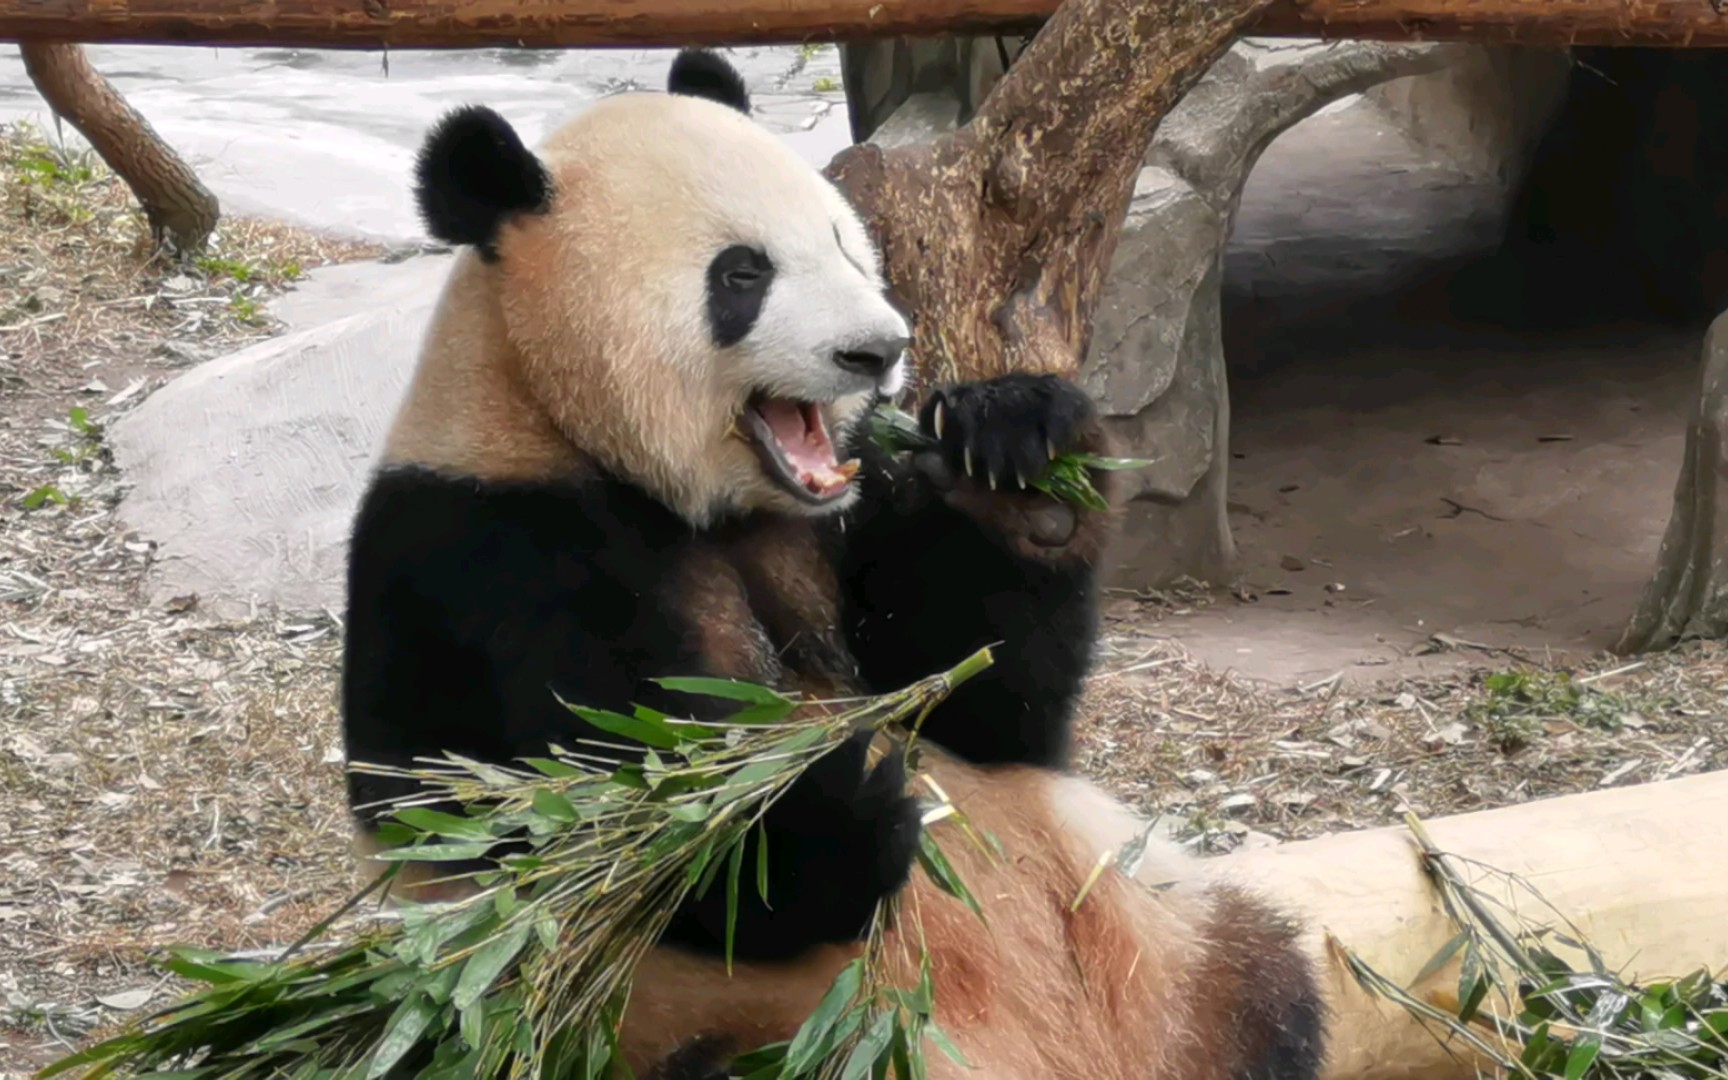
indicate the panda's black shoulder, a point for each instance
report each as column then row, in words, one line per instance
column 423, row 522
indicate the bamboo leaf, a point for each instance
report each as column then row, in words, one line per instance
column 734, row 865
column 406, row 1026
column 1582, row 1056
column 553, row 805
column 729, row 689
column 760, row 715
column 435, row 853
column 485, row 964
column 438, row 823
column 877, row 1038
column 807, row 1046
column 1445, row 953
column 762, row 863
column 648, row 732
column 936, row 864
column 557, row 770
column 945, row 1044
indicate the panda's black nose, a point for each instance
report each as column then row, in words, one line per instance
column 871, row 357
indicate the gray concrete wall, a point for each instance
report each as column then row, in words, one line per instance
column 1486, row 112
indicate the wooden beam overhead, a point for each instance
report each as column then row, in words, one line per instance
column 467, row 24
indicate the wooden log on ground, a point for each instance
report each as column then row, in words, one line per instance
column 466, row 24
column 1636, row 869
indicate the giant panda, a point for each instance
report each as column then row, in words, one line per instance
column 634, row 447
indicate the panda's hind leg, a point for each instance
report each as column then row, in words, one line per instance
column 1264, row 981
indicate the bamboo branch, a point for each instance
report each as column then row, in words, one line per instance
column 466, row 24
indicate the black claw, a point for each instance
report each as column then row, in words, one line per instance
column 1003, row 432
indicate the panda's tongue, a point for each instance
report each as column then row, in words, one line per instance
column 803, row 441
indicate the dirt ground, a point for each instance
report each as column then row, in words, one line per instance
column 169, row 777
column 1392, row 481
column 164, row 777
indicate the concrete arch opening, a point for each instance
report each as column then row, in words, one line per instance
column 1448, row 435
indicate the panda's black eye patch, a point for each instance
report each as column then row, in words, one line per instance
column 738, row 280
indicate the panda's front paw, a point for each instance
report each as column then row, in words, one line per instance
column 993, row 440
column 1002, row 433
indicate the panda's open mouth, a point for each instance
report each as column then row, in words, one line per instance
column 791, row 438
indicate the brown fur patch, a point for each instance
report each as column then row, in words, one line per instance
column 727, row 633
column 793, row 591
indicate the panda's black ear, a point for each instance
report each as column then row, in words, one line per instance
column 705, row 74
column 473, row 174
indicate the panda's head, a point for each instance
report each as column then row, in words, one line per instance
column 685, row 302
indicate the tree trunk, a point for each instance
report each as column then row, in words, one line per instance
column 180, row 209
column 468, row 24
column 1616, row 863
column 1688, row 595
column 998, row 236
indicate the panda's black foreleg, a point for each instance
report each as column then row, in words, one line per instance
column 841, row 839
column 958, row 551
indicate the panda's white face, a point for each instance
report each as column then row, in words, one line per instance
column 806, row 339
column 700, row 309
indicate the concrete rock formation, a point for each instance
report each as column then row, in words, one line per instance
column 246, row 470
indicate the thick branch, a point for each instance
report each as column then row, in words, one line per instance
column 998, row 236
column 180, row 210
column 465, row 24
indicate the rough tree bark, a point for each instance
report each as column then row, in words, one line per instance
column 180, row 209
column 998, row 236
column 1688, row 595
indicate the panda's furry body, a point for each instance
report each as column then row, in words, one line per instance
column 625, row 455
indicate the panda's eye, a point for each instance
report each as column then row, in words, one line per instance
column 738, row 281
column 741, row 279
column 741, row 269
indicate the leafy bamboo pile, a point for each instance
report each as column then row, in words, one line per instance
column 528, row 977
column 1559, row 1022
column 1065, row 478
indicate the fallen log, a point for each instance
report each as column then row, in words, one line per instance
column 467, row 24
column 1624, row 865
